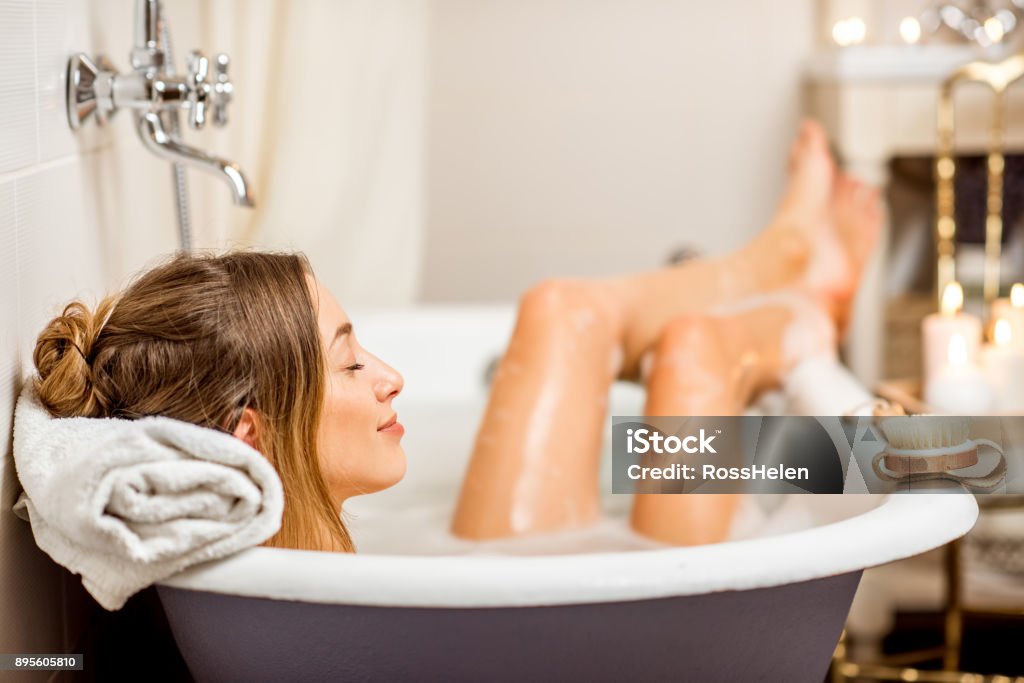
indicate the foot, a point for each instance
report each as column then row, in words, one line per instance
column 812, row 173
column 856, row 219
column 824, row 230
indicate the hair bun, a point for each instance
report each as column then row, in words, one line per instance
column 63, row 360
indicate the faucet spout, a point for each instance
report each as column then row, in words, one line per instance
column 156, row 139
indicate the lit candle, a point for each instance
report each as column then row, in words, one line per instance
column 1004, row 366
column 938, row 329
column 959, row 387
column 910, row 30
column 849, row 31
column 1012, row 311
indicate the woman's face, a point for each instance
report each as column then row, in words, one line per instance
column 360, row 437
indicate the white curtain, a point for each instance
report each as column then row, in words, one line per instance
column 327, row 122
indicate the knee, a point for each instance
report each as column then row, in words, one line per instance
column 551, row 296
column 571, row 309
column 687, row 345
column 694, row 334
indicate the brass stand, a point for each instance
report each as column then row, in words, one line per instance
column 998, row 76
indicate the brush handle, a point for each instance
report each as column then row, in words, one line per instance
column 943, row 462
column 982, row 483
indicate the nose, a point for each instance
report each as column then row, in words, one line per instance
column 390, row 383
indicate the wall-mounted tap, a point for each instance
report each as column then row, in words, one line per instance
column 95, row 89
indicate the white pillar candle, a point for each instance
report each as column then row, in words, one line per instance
column 939, row 328
column 1004, row 366
column 959, row 387
column 1012, row 311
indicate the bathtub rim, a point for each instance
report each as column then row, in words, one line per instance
column 901, row 526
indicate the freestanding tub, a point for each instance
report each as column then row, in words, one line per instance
column 416, row 604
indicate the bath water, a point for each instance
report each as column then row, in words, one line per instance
column 422, row 528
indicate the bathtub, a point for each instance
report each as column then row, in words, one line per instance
column 601, row 604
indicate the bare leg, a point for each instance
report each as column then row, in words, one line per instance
column 535, row 463
column 714, row 366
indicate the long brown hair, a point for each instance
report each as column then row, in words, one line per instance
column 199, row 338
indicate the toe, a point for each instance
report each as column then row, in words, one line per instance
column 872, row 199
column 815, row 136
column 845, row 190
column 798, row 148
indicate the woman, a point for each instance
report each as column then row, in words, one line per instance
column 252, row 344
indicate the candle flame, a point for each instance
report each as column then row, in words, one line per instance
column 953, row 298
column 849, row 31
column 1017, row 295
column 910, row 30
column 956, row 354
column 994, row 29
column 1002, row 332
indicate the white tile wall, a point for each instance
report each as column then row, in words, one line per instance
column 60, row 29
column 19, row 144
column 52, row 248
column 58, row 250
column 9, row 365
column 33, row 609
column 29, row 581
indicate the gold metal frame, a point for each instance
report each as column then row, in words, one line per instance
column 998, row 76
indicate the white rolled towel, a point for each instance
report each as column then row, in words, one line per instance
column 127, row 503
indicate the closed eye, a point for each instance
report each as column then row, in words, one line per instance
column 355, row 366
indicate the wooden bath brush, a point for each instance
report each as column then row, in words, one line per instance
column 921, row 447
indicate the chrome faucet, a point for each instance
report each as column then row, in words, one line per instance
column 156, row 94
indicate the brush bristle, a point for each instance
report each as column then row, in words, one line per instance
column 925, row 431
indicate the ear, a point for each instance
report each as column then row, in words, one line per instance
column 248, row 429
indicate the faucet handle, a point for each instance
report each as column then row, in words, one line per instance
column 198, row 87
column 222, row 90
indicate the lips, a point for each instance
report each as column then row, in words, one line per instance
column 392, row 427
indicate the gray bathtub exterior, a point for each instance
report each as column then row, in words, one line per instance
column 782, row 633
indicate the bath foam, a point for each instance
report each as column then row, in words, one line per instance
column 829, row 270
column 790, row 299
column 810, row 333
column 808, row 337
column 423, row 529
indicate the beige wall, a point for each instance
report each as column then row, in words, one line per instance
column 587, row 137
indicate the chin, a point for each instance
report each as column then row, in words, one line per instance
column 388, row 469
